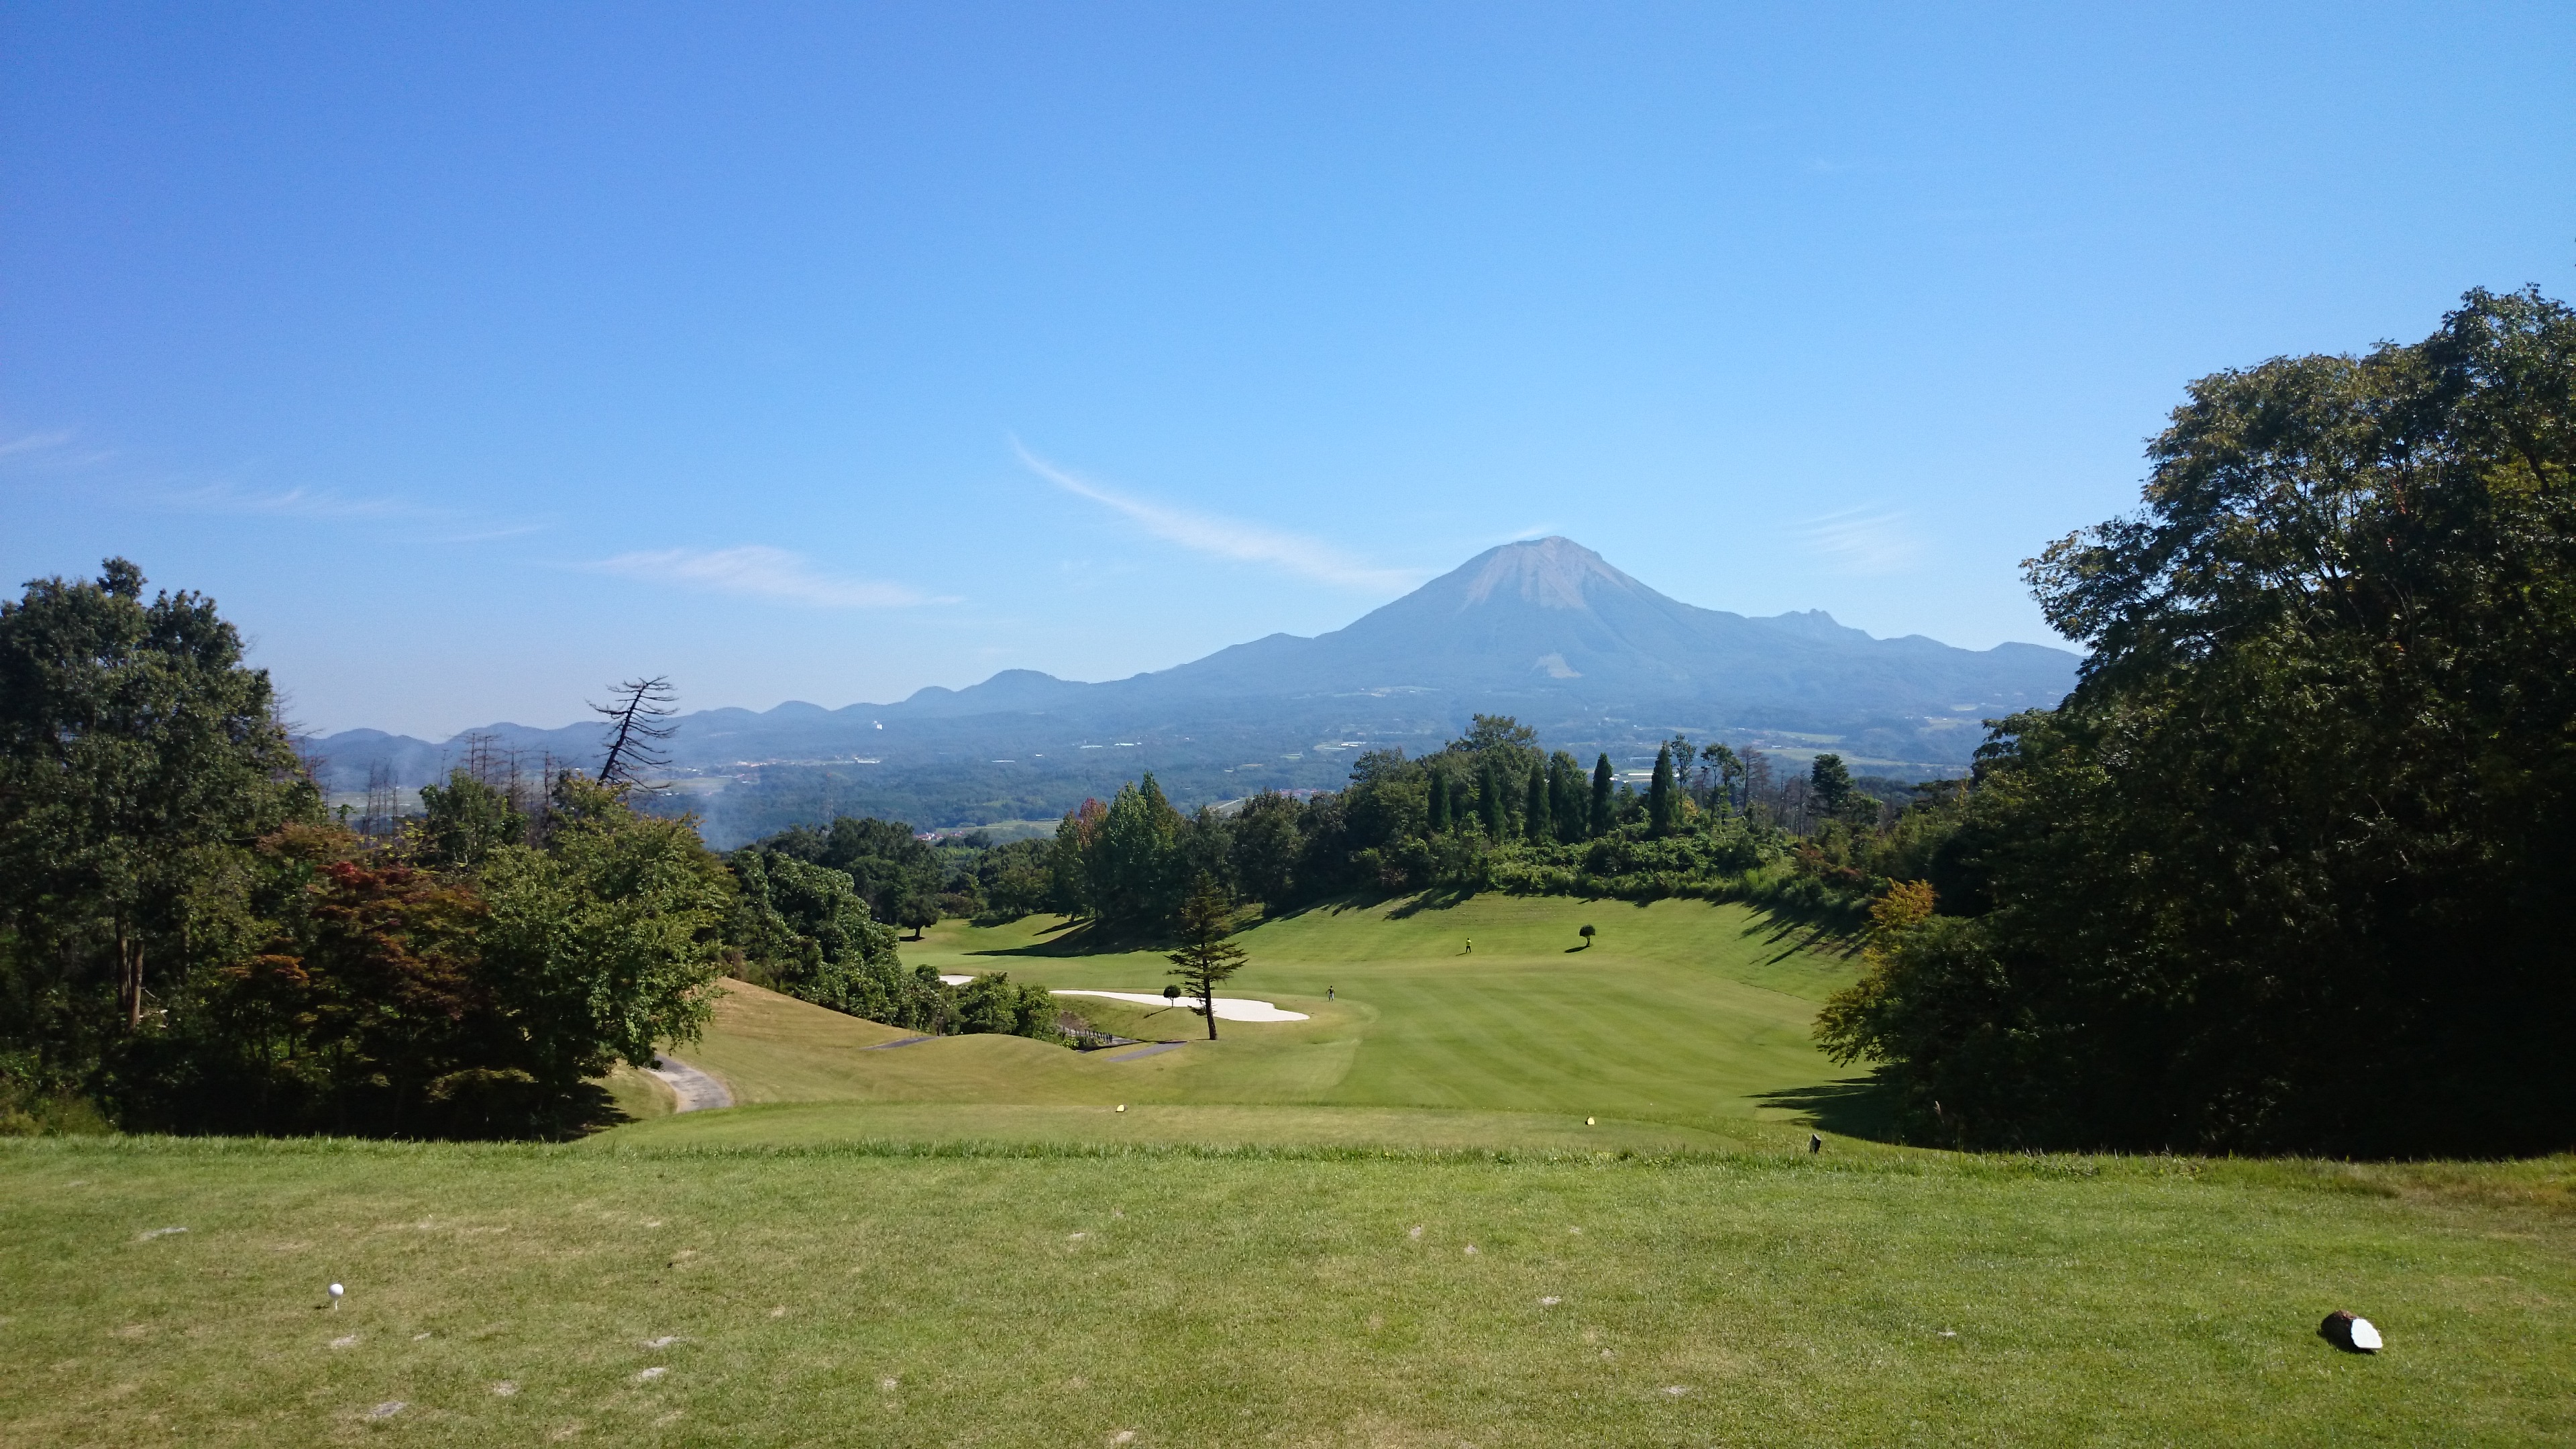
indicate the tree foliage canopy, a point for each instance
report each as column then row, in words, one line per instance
column 2291, row 866
column 140, row 761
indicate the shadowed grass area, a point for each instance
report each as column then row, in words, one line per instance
column 944, row 1294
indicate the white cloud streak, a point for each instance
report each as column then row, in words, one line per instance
column 1229, row 538
column 295, row 503
column 758, row 571
column 34, row 455
column 1863, row 540
column 33, row 443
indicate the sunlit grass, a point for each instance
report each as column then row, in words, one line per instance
column 930, row 1294
column 1683, row 1017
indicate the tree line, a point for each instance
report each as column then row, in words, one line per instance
column 1489, row 810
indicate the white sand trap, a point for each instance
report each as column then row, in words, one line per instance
column 956, row 980
column 1228, row 1008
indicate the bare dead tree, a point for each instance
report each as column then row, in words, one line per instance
column 483, row 756
column 384, row 802
column 636, row 730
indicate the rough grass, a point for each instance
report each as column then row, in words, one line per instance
column 949, row 1294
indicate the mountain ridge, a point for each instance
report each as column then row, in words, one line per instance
column 1545, row 629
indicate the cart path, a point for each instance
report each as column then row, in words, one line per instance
column 1152, row 1051
column 698, row 1091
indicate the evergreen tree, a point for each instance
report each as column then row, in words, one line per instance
column 1489, row 798
column 1831, row 783
column 1565, row 795
column 1439, row 803
column 1534, row 817
column 1206, row 958
column 1663, row 801
column 1603, row 805
column 1135, row 859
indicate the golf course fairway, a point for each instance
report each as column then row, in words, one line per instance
column 1489, row 1023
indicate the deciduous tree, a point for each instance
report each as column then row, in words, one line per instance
column 139, row 760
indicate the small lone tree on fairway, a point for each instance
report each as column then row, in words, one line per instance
column 1206, row 957
column 917, row 911
column 1586, row 934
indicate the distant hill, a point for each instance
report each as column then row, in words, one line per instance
column 1547, row 630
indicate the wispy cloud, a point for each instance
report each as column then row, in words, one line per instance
column 33, row 443
column 117, row 480
column 1863, row 540
column 758, row 571
column 1228, row 537
column 294, row 503
column 50, row 451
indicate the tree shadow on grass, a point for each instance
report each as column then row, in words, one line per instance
column 1863, row 1107
column 1436, row 899
column 1792, row 933
column 1083, row 938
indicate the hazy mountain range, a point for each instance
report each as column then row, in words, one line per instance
column 1545, row 630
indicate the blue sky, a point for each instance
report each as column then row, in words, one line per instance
column 473, row 358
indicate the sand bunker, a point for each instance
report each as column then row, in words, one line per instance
column 1228, row 1008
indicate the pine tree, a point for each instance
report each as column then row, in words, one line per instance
column 1489, row 798
column 1439, row 803
column 1206, row 957
column 1602, row 781
column 1534, row 820
column 1565, row 795
column 1663, row 801
column 1831, row 782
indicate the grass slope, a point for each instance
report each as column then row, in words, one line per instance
column 651, row 1296
column 1684, row 1026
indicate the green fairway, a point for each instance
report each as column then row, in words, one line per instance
column 660, row 1296
column 1391, row 1223
column 1684, row 1026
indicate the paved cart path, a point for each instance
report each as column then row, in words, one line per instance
column 698, row 1091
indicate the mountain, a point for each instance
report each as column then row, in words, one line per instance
column 1546, row 630
column 1552, row 618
